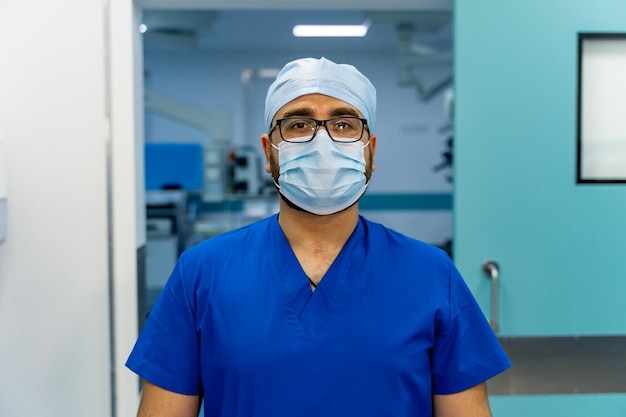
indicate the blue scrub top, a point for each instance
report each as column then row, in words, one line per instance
column 391, row 324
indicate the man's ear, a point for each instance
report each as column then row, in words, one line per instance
column 267, row 148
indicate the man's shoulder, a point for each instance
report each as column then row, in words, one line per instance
column 379, row 234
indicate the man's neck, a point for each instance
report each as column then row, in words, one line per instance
column 304, row 229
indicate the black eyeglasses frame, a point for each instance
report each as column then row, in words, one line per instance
column 319, row 123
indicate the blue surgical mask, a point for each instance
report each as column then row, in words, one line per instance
column 321, row 176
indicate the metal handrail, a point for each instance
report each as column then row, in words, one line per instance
column 492, row 270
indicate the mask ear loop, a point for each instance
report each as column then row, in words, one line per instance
column 273, row 179
column 367, row 183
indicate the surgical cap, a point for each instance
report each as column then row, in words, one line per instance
column 322, row 76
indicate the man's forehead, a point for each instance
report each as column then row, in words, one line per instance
column 309, row 104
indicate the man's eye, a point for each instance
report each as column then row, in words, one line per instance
column 298, row 125
column 343, row 125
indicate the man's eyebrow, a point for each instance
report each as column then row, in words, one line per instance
column 344, row 111
column 303, row 111
column 308, row 112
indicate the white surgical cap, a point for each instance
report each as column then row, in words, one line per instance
column 322, row 76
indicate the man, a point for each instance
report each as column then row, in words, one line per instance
column 316, row 311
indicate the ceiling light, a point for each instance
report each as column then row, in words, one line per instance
column 333, row 31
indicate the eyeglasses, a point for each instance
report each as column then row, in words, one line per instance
column 344, row 129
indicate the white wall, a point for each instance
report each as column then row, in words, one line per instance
column 127, row 206
column 54, row 266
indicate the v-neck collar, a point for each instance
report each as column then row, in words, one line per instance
column 310, row 309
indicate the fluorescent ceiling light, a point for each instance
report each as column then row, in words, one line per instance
column 331, row 31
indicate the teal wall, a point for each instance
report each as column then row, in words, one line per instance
column 515, row 129
column 583, row 405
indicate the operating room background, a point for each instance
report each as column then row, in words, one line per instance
column 411, row 188
column 205, row 79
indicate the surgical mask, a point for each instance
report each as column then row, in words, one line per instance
column 321, row 176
